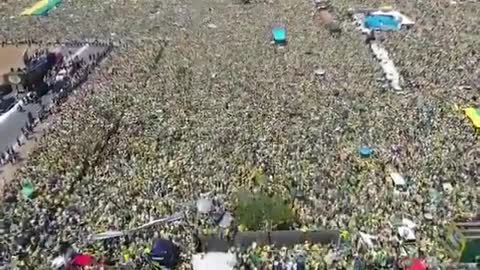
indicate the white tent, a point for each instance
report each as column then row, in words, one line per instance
column 213, row 260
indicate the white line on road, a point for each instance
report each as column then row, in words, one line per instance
column 78, row 53
column 4, row 116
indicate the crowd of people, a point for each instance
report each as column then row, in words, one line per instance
column 58, row 81
column 179, row 109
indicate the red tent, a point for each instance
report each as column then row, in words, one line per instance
column 414, row 264
column 82, row 260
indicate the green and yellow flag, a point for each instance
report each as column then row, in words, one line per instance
column 41, row 8
column 455, row 241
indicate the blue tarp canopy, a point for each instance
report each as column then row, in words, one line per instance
column 382, row 22
column 279, row 35
column 165, row 253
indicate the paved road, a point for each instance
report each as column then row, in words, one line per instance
column 12, row 121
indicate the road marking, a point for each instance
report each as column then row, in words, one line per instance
column 4, row 116
column 78, row 53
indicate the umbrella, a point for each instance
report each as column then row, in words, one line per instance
column 28, row 189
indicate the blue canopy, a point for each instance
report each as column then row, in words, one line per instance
column 382, row 22
column 165, row 253
column 279, row 35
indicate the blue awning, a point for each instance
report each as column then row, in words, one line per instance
column 382, row 22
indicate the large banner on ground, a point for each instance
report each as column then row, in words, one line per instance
column 41, row 8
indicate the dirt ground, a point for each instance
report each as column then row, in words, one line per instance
column 13, row 57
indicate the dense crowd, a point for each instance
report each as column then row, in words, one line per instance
column 179, row 110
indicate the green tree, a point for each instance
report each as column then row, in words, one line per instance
column 258, row 211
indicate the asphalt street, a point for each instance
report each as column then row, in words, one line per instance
column 14, row 120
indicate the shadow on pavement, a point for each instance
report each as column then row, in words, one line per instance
column 5, row 90
column 6, row 104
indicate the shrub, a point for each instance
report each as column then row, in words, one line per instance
column 257, row 211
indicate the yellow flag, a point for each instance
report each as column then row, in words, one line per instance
column 386, row 8
column 474, row 115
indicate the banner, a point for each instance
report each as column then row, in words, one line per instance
column 41, row 8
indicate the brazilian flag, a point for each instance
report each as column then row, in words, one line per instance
column 41, row 8
column 455, row 241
